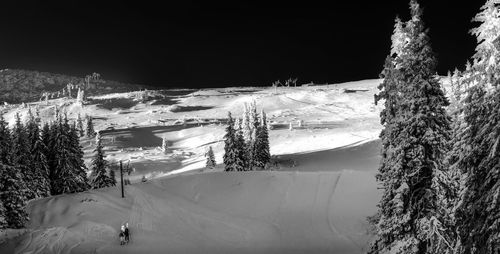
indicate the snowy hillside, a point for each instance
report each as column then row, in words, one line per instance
column 316, row 199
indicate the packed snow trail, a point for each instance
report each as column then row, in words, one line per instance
column 142, row 214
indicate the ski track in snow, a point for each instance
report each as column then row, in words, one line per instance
column 51, row 240
column 322, row 206
column 330, row 202
column 330, row 219
column 275, row 221
column 26, row 245
column 138, row 218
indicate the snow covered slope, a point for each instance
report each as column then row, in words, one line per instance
column 316, row 201
column 244, row 212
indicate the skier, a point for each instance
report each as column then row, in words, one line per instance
column 127, row 233
column 122, row 235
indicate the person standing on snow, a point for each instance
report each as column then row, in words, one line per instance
column 122, row 235
column 127, row 233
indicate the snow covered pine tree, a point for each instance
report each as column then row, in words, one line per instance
column 415, row 138
column 38, row 161
column 229, row 150
column 262, row 155
column 13, row 189
column 13, row 196
column 233, row 149
column 66, row 167
column 478, row 207
column 89, row 131
column 79, row 126
column 99, row 178
column 21, row 156
column 210, row 158
column 241, row 150
column 5, row 142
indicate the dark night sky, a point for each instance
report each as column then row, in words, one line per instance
column 215, row 44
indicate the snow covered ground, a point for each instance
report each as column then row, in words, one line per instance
column 316, row 200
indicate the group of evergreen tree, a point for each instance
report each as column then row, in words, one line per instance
column 38, row 160
column 246, row 143
column 35, row 162
column 440, row 170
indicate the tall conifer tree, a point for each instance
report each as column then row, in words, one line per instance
column 5, row 142
column 68, row 172
column 262, row 155
column 21, row 156
column 478, row 154
column 13, row 196
column 99, row 178
column 89, row 131
column 233, row 150
column 3, row 215
column 241, row 163
column 417, row 137
column 210, row 158
column 79, row 125
column 20, row 148
column 79, row 168
column 229, row 155
column 38, row 166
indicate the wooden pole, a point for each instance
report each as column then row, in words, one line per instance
column 121, row 178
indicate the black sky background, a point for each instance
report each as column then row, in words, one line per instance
column 224, row 43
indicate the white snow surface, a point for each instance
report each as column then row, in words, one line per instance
column 315, row 200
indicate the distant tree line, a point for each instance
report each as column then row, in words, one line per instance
column 39, row 160
column 18, row 86
column 246, row 142
column 440, row 167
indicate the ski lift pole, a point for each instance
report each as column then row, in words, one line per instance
column 121, row 178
